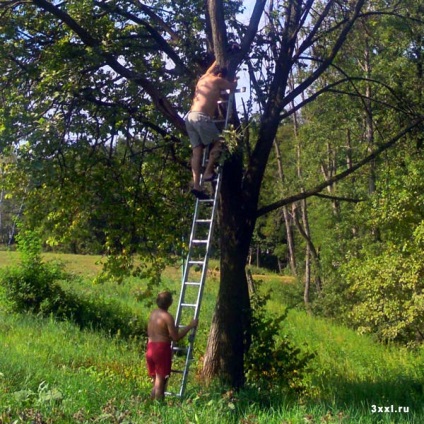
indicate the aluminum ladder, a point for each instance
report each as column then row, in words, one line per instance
column 196, row 264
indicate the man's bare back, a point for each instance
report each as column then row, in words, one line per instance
column 208, row 91
column 161, row 326
column 207, row 94
column 158, row 327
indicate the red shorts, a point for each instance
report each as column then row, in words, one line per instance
column 159, row 359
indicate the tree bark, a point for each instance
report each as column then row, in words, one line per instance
column 218, row 27
column 229, row 336
column 307, row 287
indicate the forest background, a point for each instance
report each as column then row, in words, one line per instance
column 323, row 178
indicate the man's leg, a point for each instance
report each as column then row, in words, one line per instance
column 214, row 154
column 196, row 166
column 158, row 391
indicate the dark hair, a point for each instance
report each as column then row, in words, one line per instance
column 164, row 300
column 218, row 69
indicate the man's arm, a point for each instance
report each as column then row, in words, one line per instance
column 209, row 70
column 224, row 84
column 173, row 331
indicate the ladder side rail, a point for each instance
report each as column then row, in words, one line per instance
column 229, row 109
column 208, row 246
column 186, row 368
column 187, row 264
column 192, row 335
column 206, row 260
column 186, row 267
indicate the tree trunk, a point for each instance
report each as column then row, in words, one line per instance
column 286, row 215
column 307, row 288
column 218, row 27
column 311, row 251
column 250, row 282
column 229, row 336
column 369, row 123
column 329, row 170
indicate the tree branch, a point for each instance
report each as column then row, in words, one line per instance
column 161, row 42
column 251, row 32
column 314, row 191
column 160, row 101
column 330, row 88
column 341, row 199
column 325, row 64
column 148, row 11
column 308, row 41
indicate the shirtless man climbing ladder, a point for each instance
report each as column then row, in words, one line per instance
column 200, row 126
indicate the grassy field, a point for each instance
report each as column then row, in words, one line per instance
column 85, row 265
column 52, row 372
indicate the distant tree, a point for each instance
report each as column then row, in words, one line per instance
column 10, row 209
column 384, row 284
column 348, row 128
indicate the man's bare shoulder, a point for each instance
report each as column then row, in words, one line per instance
column 161, row 314
column 206, row 80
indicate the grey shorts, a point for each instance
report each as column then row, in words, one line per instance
column 201, row 129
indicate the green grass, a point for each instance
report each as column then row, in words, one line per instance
column 51, row 372
column 353, row 369
column 85, row 265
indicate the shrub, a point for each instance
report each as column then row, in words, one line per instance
column 273, row 362
column 34, row 286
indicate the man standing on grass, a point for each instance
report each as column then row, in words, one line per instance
column 201, row 129
column 161, row 331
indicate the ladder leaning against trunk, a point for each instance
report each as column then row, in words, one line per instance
column 196, row 263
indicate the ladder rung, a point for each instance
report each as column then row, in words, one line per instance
column 237, row 90
column 199, row 241
column 196, row 262
column 189, row 305
column 172, row 394
column 179, row 349
column 203, row 221
column 192, row 283
column 177, row 371
column 181, row 326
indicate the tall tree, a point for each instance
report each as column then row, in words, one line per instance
column 77, row 75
